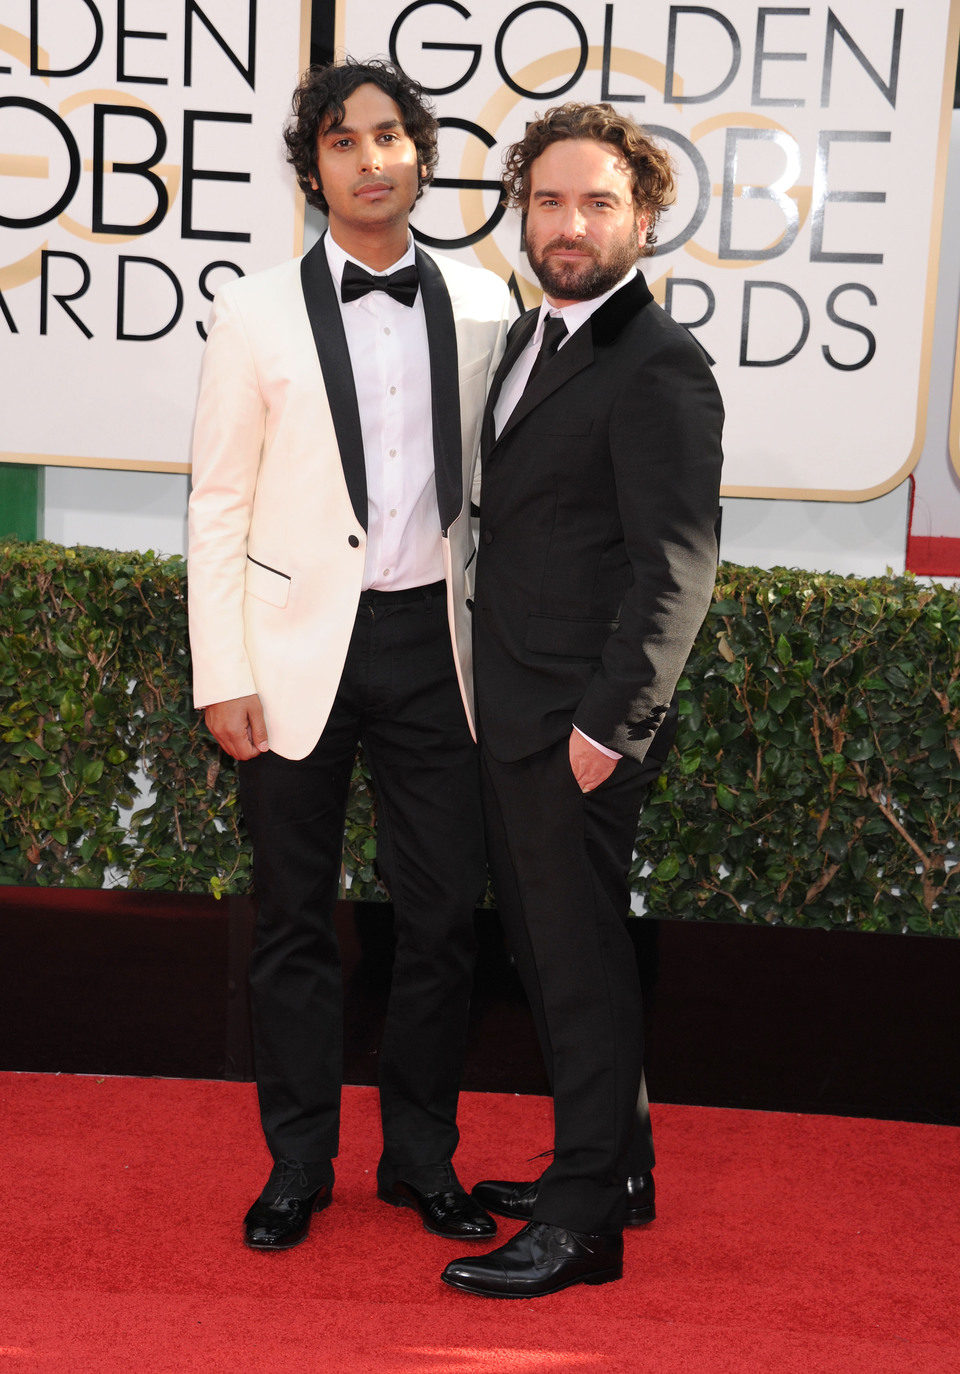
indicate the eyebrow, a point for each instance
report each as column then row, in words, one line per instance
column 590, row 195
column 382, row 127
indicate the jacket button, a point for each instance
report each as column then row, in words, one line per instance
column 354, row 542
column 488, row 536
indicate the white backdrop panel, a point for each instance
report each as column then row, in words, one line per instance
column 141, row 164
column 811, row 144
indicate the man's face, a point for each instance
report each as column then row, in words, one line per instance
column 582, row 232
column 368, row 166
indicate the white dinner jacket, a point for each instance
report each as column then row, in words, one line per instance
column 278, row 510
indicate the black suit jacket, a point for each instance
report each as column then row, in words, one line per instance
column 598, row 550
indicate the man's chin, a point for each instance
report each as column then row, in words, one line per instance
column 571, row 284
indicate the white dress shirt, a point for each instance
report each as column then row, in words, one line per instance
column 389, row 356
column 573, row 316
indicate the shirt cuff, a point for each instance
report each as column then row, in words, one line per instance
column 610, row 753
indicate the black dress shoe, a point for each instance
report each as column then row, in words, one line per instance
column 640, row 1200
column 517, row 1199
column 539, row 1259
column 280, row 1217
column 450, row 1211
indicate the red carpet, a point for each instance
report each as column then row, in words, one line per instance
column 784, row 1243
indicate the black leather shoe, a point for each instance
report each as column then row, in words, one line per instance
column 450, row 1211
column 507, row 1199
column 640, row 1200
column 539, row 1259
column 517, row 1199
column 280, row 1217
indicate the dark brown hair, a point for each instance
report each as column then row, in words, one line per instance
column 650, row 167
column 318, row 104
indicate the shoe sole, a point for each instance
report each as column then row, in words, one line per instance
column 602, row 1276
column 633, row 1218
column 395, row 1201
column 318, row 1206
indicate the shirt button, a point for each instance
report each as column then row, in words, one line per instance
column 354, row 542
column 392, row 514
column 393, row 391
column 386, row 330
column 393, row 453
column 386, row 572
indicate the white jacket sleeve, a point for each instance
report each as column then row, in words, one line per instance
column 227, row 446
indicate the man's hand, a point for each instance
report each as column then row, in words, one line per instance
column 590, row 766
column 238, row 726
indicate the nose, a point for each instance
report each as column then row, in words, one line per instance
column 574, row 223
column 370, row 156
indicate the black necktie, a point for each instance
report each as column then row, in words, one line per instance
column 402, row 285
column 554, row 332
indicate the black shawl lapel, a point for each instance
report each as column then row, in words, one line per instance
column 323, row 311
column 517, row 340
column 600, row 331
column 619, row 310
column 444, row 388
column 573, row 357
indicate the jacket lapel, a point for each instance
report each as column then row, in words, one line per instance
column 517, row 340
column 444, row 389
column 619, row 310
column 572, row 358
column 599, row 331
column 323, row 311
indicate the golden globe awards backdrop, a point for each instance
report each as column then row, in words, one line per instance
column 811, row 145
column 141, row 164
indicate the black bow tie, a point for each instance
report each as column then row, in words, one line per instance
column 402, row 285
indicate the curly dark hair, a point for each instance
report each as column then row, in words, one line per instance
column 318, row 103
column 651, row 168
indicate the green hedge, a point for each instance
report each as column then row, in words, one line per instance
column 816, row 780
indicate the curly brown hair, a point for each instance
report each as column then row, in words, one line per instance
column 651, row 168
column 318, row 104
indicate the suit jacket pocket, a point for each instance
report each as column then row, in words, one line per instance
column 266, row 583
column 548, row 634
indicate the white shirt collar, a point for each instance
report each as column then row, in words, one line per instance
column 337, row 258
column 578, row 313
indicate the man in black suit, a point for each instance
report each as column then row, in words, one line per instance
column 601, row 468
column 337, row 428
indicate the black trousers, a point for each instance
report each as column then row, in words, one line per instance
column 559, row 860
column 398, row 696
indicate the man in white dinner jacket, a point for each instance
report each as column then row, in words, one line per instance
column 336, row 433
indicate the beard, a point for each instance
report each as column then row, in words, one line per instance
column 571, row 281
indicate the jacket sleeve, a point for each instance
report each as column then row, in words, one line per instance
column 665, row 432
column 228, row 440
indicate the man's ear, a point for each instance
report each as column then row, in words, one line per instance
column 642, row 225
